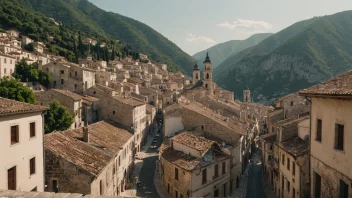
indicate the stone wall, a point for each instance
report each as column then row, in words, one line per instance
column 70, row 177
column 14, row 194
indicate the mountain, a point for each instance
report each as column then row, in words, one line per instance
column 222, row 51
column 297, row 57
column 87, row 17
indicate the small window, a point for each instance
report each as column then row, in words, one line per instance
column 14, row 134
column 204, row 176
column 339, row 136
column 291, row 103
column 293, row 193
column 5, row 60
column 288, row 163
column 4, row 70
column 94, row 92
column 293, row 168
column 223, row 168
column 343, row 189
column 283, row 159
column 62, row 81
column 101, row 187
column 11, row 178
column 288, row 186
column 216, row 170
column 32, row 129
column 176, row 174
column 75, row 73
column 62, row 71
column 319, row 130
column 176, row 194
column 32, row 166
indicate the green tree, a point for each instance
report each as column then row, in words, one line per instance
column 57, row 118
column 80, row 44
column 106, row 54
column 12, row 89
column 29, row 73
column 113, row 53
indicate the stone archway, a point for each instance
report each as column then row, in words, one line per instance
column 206, row 85
column 207, row 75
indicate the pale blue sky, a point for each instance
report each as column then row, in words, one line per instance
column 195, row 25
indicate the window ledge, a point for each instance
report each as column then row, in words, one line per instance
column 338, row 150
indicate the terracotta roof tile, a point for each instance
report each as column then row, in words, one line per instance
column 271, row 137
column 337, row 86
column 195, row 142
column 295, row 146
column 128, row 101
column 67, row 93
column 105, row 141
column 8, row 106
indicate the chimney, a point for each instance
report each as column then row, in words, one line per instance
column 85, row 134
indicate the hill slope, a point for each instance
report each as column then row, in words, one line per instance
column 85, row 16
column 222, row 51
column 303, row 54
column 14, row 15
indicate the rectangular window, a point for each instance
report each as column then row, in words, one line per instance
column 288, row 163
column 101, row 187
column 223, row 168
column 293, row 168
column 75, row 73
column 343, row 189
column 204, row 176
column 288, row 186
column 62, row 81
column 11, row 178
column 339, row 136
column 319, row 130
column 32, row 129
column 4, row 70
column 32, row 166
column 293, row 193
column 224, row 189
column 14, row 134
column 317, row 185
column 216, row 171
column 176, row 174
column 176, row 194
column 62, row 71
column 283, row 159
column 54, row 83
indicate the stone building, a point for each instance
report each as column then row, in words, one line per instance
column 330, row 151
column 293, row 105
column 7, row 65
column 193, row 166
column 285, row 157
column 185, row 115
column 72, row 101
column 101, row 91
column 70, row 76
column 126, row 111
column 95, row 160
column 21, row 146
column 89, row 110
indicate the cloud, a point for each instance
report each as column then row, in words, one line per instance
column 246, row 25
column 192, row 38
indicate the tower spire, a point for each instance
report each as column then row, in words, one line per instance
column 207, row 59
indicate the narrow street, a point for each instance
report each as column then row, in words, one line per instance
column 254, row 184
column 146, row 176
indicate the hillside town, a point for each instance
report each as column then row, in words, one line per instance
column 140, row 131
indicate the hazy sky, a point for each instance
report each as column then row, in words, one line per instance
column 195, row 25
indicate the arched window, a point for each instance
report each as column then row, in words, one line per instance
column 197, row 77
column 206, row 85
column 207, row 75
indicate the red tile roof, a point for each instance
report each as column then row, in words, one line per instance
column 105, row 141
column 8, row 106
column 338, row 86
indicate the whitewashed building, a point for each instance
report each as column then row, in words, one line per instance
column 21, row 146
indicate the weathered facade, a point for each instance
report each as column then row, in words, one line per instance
column 128, row 112
column 330, row 152
column 193, row 166
column 96, row 160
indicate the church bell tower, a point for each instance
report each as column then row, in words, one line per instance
column 196, row 74
column 208, row 75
